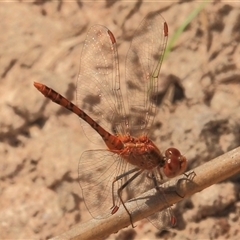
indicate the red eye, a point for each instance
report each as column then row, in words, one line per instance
column 175, row 163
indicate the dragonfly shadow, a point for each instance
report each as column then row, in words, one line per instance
column 155, row 200
column 185, row 183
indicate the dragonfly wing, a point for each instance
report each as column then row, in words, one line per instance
column 97, row 171
column 162, row 219
column 98, row 87
column 143, row 65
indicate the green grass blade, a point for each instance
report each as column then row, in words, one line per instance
column 179, row 31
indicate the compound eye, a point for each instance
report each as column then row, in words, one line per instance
column 175, row 163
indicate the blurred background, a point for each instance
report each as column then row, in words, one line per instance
column 41, row 143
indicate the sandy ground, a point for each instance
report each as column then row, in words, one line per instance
column 41, row 143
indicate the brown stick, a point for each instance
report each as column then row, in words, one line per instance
column 207, row 174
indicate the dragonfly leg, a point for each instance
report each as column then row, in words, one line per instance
column 114, row 207
column 160, row 174
column 119, row 191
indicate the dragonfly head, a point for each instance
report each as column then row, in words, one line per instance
column 175, row 163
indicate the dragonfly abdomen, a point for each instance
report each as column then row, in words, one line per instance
column 112, row 142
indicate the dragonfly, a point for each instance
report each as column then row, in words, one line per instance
column 130, row 164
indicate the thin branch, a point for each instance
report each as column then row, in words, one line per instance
column 206, row 175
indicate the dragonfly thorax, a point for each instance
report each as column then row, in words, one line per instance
column 141, row 152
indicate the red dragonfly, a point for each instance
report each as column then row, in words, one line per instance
column 132, row 163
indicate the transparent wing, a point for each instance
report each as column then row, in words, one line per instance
column 97, row 171
column 98, row 86
column 143, row 65
column 162, row 219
